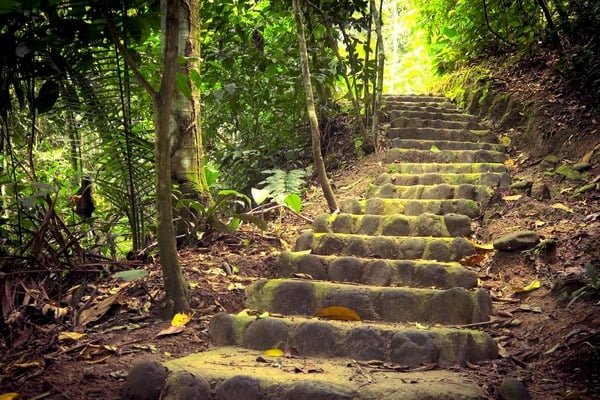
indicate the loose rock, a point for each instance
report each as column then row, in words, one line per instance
column 521, row 240
column 513, row 389
column 145, row 381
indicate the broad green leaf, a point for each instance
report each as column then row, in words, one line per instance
column 195, row 77
column 47, row 96
column 294, row 202
column 131, row 274
column 253, row 219
column 434, row 149
column 183, row 85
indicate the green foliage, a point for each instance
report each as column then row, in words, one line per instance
column 281, row 187
column 591, row 285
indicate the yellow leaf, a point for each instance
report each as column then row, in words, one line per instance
column 70, row 336
column 536, row 284
column 514, row 197
column 434, row 149
column 483, row 246
column 505, row 140
column 510, row 162
column 10, row 396
column 180, row 319
column 273, row 353
column 561, row 206
column 420, row 326
column 338, row 313
column 303, row 252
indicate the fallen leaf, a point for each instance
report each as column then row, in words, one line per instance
column 131, row 274
column 528, row 307
column 505, row 140
column 171, row 330
column 552, row 349
column 482, row 246
column 96, row 311
column 588, row 156
column 338, row 313
column 513, row 197
column 535, row 284
column 300, row 275
column 476, row 260
column 70, row 336
column 435, row 149
column 273, row 353
column 561, row 206
column 502, row 351
column 180, row 319
column 263, row 315
column 303, row 252
column 236, row 286
column 510, row 162
column 10, row 396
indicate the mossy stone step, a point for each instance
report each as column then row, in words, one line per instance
column 380, row 206
column 389, row 247
column 403, row 122
column 394, row 225
column 398, row 343
column 479, row 193
column 492, row 179
column 446, row 168
column 377, row 271
column 372, row 303
column 420, row 144
column 426, row 107
column 417, row 98
column 437, row 115
column 456, row 135
column 444, row 156
column 235, row 373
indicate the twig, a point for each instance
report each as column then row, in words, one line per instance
column 483, row 323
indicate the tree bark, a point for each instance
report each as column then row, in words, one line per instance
column 380, row 69
column 312, row 114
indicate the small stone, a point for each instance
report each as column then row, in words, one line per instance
column 540, row 191
column 513, row 389
column 317, row 391
column 237, row 388
column 187, row 386
column 521, row 240
column 580, row 167
column 145, row 381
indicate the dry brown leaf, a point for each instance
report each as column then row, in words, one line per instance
column 95, row 312
column 171, row 330
column 338, row 313
column 561, row 206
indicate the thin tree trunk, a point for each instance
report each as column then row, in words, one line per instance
column 351, row 92
column 312, row 114
column 380, row 69
column 551, row 25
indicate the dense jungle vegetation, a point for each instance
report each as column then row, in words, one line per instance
column 83, row 85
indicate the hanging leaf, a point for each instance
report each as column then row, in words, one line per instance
column 535, row 284
column 130, row 274
column 273, row 353
column 46, row 97
column 183, row 85
column 338, row 313
column 294, row 202
column 180, row 319
column 195, row 77
column 260, row 195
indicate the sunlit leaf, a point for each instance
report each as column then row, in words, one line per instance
column 561, row 206
column 260, row 195
column 294, row 202
column 510, row 162
column 435, row 149
column 273, row 353
column 180, row 319
column 338, row 313
column 535, row 284
column 62, row 336
column 513, row 197
column 10, row 396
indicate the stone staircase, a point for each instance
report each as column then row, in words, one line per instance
column 392, row 261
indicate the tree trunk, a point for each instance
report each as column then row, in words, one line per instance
column 312, row 114
column 380, row 69
column 185, row 136
column 175, row 285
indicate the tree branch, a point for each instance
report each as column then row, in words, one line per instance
column 127, row 57
column 487, row 22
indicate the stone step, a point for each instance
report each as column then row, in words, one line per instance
column 479, row 193
column 437, row 115
column 403, row 122
column 418, row 98
column 427, row 107
column 492, row 179
column 439, row 134
column 389, row 247
column 377, row 271
column 420, row 144
column 391, row 342
column 394, row 225
column 234, row 373
column 455, row 306
column 379, row 206
column 444, row 156
column 446, row 168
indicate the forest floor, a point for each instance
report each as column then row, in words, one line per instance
column 549, row 339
